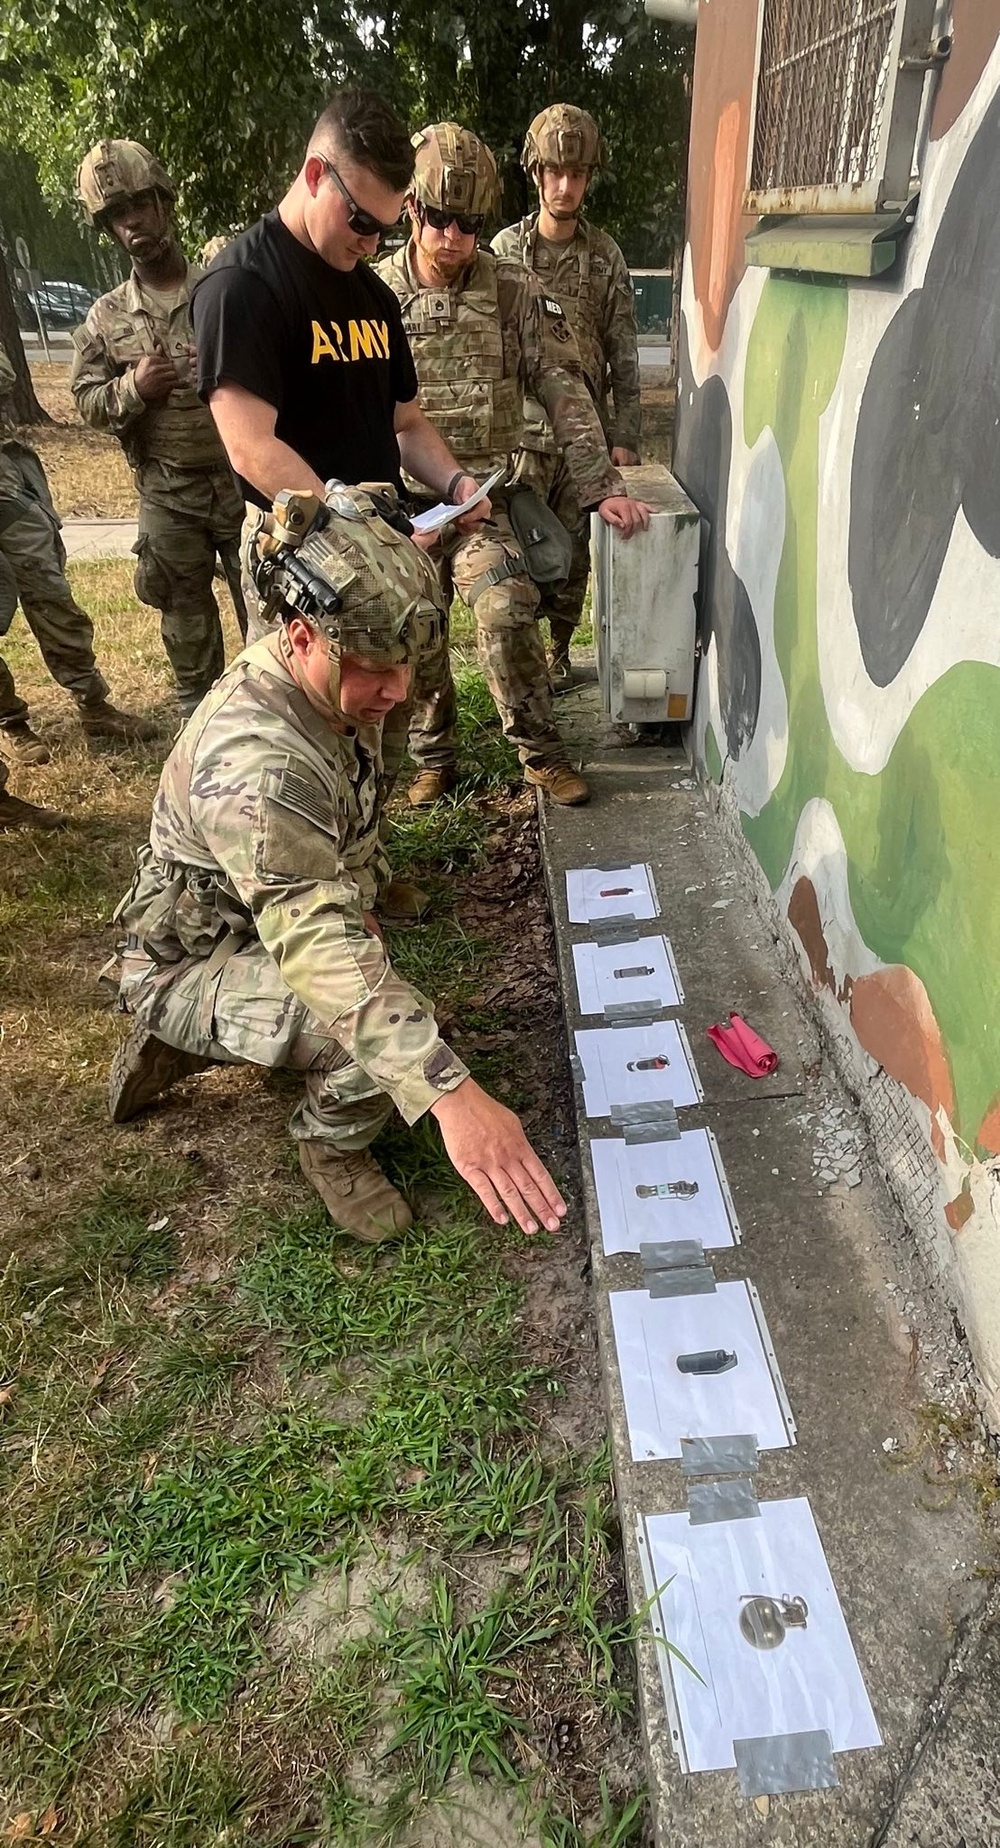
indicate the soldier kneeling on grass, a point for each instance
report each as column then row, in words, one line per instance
column 250, row 935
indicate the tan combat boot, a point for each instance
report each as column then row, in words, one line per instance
column 24, row 745
column 142, row 1069
column 560, row 782
column 429, row 786
column 355, row 1192
column 402, row 903
column 103, row 720
column 17, row 814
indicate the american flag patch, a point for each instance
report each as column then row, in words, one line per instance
column 306, row 799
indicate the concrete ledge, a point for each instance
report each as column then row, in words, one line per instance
column 823, row 1263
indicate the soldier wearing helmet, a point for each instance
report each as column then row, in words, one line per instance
column 249, row 928
column 585, row 271
column 485, row 335
column 132, row 375
column 32, row 573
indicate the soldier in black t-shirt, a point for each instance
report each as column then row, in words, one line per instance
column 303, row 360
column 302, row 357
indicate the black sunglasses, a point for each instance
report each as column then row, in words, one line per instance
column 360, row 221
column 470, row 224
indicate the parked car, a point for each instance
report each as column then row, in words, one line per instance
column 61, row 304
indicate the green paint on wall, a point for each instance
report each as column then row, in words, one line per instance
column 923, row 857
column 713, row 756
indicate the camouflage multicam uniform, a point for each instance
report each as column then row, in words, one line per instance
column 247, row 940
column 190, row 509
column 32, row 571
column 479, row 349
column 589, row 278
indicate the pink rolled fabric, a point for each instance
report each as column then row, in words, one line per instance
column 744, row 1048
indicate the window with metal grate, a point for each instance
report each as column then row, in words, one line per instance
column 837, row 103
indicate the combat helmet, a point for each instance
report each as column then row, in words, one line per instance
column 347, row 565
column 112, row 172
column 454, row 170
column 562, row 136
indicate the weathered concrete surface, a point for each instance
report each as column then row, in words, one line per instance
column 824, row 1263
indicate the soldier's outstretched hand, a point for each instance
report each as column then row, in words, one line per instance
column 628, row 515
column 485, row 1143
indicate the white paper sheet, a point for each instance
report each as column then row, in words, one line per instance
column 639, row 970
column 810, row 1680
column 624, row 1065
column 446, row 511
column 629, row 1220
column 626, row 892
column 662, row 1405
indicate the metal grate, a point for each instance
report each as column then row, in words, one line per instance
column 823, row 89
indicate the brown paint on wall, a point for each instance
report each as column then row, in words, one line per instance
column 725, row 48
column 804, row 918
column 892, row 1016
column 960, row 1210
column 988, row 1135
column 975, row 30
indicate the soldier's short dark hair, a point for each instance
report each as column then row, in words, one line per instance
column 369, row 132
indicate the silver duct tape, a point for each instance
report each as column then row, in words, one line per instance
column 635, row 1020
column 721, row 1501
column 666, row 1130
column 698, row 1281
column 768, row 1767
column 672, row 1254
column 662, row 1110
column 635, row 1013
column 621, row 927
column 719, row 1456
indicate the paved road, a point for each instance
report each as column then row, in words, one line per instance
column 98, row 538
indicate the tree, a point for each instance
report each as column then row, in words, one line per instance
column 22, row 401
column 227, row 94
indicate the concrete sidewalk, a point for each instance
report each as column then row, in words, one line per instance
column 89, row 539
column 862, row 1348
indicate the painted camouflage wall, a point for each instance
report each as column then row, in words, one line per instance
column 843, row 442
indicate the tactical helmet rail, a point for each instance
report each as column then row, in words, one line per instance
column 346, row 565
column 454, row 171
column 115, row 170
column 562, row 136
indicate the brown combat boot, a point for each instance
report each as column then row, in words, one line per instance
column 142, row 1069
column 402, row 903
column 560, row 782
column 104, row 720
column 17, row 814
column 429, row 786
column 355, row 1192
column 24, row 745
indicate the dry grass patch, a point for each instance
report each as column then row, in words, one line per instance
column 88, row 474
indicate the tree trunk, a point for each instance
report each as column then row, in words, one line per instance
column 22, row 404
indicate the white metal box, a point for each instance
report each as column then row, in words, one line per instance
column 644, row 603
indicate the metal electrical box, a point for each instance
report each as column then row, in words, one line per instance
column 644, row 603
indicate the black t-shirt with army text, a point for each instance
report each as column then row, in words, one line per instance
column 326, row 347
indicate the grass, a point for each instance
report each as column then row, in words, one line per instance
column 211, row 1409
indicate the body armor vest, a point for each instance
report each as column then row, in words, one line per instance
column 458, row 350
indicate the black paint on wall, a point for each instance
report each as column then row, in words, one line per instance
column 701, row 463
column 928, row 436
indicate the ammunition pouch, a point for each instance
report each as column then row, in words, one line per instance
column 546, row 546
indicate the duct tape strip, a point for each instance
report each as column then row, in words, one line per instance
column 661, row 1113
column 699, row 1281
column 719, row 1456
column 631, row 1013
column 619, row 929
column 791, row 1761
column 673, row 1254
column 576, row 1067
column 634, row 1020
column 663, row 1131
column 721, row 1501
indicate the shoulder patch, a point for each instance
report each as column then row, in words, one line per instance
column 552, row 307
column 304, row 798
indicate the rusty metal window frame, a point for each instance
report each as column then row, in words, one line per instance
column 881, row 140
